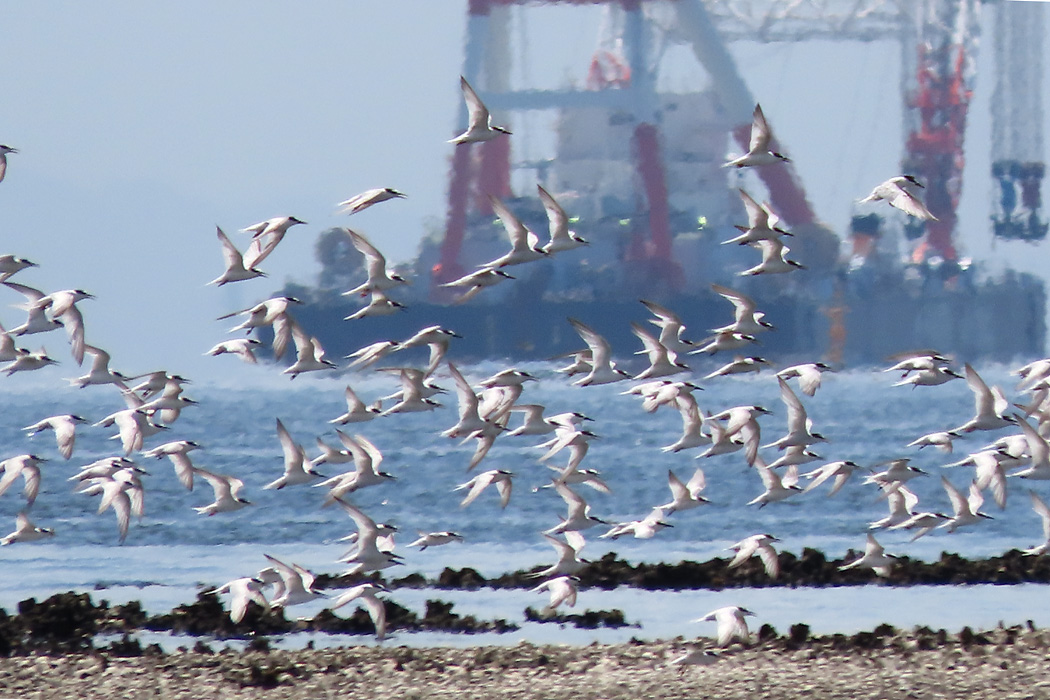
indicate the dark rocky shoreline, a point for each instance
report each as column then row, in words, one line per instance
column 70, row 622
column 810, row 568
column 1005, row 663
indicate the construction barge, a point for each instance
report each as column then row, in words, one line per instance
column 639, row 170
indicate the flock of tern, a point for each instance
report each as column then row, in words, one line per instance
column 488, row 410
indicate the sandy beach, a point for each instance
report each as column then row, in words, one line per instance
column 1009, row 663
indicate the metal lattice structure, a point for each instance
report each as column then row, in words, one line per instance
column 799, row 20
column 938, row 95
column 938, row 40
column 1017, row 152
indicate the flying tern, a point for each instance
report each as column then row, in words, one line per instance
column 65, row 431
column 777, row 488
column 662, row 361
column 435, row 539
column 277, row 226
column 479, row 126
column 644, row 529
column 1031, row 374
column 10, row 264
column 4, row 150
column 562, row 591
column 561, row 238
column 243, row 348
column 967, row 510
column 685, row 496
column 227, row 493
column 693, row 424
column 524, row 244
column 758, row 152
column 26, row 531
column 28, row 467
column 1038, row 451
column 941, row 439
column 500, row 477
column 762, row 223
column 379, row 305
column 579, row 514
column 272, row 312
column 901, row 501
column 367, row 458
column 368, row 198
column 808, row 375
column 725, row 341
column 241, row 267
column 774, row 260
column 935, row 376
column 762, row 545
column 797, row 455
column 61, row 307
column 741, row 365
column 748, row 320
column 469, row 420
column 695, row 657
column 572, row 475
column 242, row 591
column 411, row 398
column 671, row 327
column 569, row 561
column 309, row 355
column 897, row 471
column 122, row 491
column 874, row 558
column 799, row 425
column 990, row 406
column 369, row 556
column 1040, row 508
column 366, row 594
column 603, row 369
column 298, row 584
column 177, row 453
column 375, row 264
column 367, row 356
column 989, row 472
column 731, row 624
column 840, row 471
column 356, row 410
column 297, row 468
column 476, row 281
column 100, row 373
column 901, row 192
column 37, row 320
column 437, row 339
column 8, row 350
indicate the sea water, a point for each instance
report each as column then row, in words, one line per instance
column 172, row 552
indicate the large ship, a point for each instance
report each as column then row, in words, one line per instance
column 639, row 170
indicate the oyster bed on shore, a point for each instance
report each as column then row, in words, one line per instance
column 810, row 568
column 72, row 621
column 69, row 621
column 1005, row 663
column 72, row 646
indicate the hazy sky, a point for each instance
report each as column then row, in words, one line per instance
column 141, row 126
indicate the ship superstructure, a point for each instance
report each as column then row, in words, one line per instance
column 639, row 168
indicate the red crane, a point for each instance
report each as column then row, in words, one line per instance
column 621, row 80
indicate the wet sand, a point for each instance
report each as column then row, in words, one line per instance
column 1003, row 663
